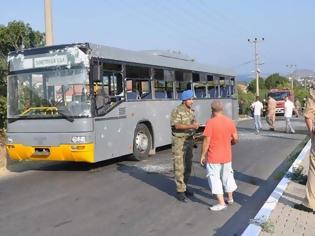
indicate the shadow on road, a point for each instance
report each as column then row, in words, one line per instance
column 165, row 182
column 18, row 167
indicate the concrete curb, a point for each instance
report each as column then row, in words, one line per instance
column 265, row 212
column 245, row 118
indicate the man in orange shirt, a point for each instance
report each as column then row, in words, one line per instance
column 220, row 133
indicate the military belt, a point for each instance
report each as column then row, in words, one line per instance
column 183, row 134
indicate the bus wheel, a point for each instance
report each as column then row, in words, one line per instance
column 142, row 143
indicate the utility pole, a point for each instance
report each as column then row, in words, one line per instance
column 257, row 70
column 291, row 69
column 48, row 24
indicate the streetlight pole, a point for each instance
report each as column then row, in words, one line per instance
column 257, row 70
column 48, row 23
column 291, row 69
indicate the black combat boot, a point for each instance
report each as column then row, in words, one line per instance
column 181, row 196
column 189, row 193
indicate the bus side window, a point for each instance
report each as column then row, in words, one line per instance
column 169, row 78
column 183, row 82
column 137, row 89
column 132, row 94
column 169, row 89
column 222, row 87
column 145, row 89
column 199, row 86
column 200, row 90
column 138, row 82
column 211, row 86
column 159, row 88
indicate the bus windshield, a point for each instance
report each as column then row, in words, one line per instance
column 61, row 93
column 278, row 96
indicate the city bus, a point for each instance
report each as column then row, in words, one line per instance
column 87, row 103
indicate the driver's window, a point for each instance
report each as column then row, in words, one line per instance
column 107, row 91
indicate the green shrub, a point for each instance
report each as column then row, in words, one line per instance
column 3, row 112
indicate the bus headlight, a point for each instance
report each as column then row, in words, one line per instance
column 78, row 139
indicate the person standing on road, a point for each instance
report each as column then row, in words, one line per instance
column 184, row 126
column 220, row 133
column 288, row 110
column 308, row 203
column 257, row 106
column 271, row 113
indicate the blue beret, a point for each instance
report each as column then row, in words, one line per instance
column 186, row 95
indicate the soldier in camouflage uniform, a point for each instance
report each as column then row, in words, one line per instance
column 308, row 204
column 184, row 126
column 271, row 112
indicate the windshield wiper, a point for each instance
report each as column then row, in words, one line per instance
column 68, row 118
column 11, row 120
column 62, row 114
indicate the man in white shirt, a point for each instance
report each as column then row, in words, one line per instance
column 257, row 106
column 288, row 110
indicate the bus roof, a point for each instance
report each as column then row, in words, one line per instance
column 156, row 58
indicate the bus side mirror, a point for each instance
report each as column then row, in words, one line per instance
column 97, row 71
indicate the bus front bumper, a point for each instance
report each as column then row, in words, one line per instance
column 64, row 152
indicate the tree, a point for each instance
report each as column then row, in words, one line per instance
column 301, row 94
column 252, row 85
column 245, row 99
column 277, row 81
column 16, row 35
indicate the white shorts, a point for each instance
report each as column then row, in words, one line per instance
column 219, row 176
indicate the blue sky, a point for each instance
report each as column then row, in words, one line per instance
column 212, row 32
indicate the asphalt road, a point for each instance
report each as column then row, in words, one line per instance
column 120, row 197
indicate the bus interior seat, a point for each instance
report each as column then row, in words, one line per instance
column 146, row 96
column 232, row 89
column 200, row 93
column 160, row 95
column 224, row 92
column 169, row 94
column 133, row 95
column 212, row 93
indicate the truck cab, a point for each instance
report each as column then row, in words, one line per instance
column 279, row 95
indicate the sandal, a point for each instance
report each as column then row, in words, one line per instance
column 230, row 201
column 217, row 207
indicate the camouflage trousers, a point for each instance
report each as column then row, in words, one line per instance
column 309, row 200
column 271, row 119
column 182, row 153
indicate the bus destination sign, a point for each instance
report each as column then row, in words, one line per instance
column 58, row 60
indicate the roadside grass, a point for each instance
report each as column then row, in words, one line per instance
column 267, row 226
column 289, row 161
column 298, row 176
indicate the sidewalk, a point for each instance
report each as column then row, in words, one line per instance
column 277, row 216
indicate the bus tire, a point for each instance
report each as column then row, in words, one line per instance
column 142, row 143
